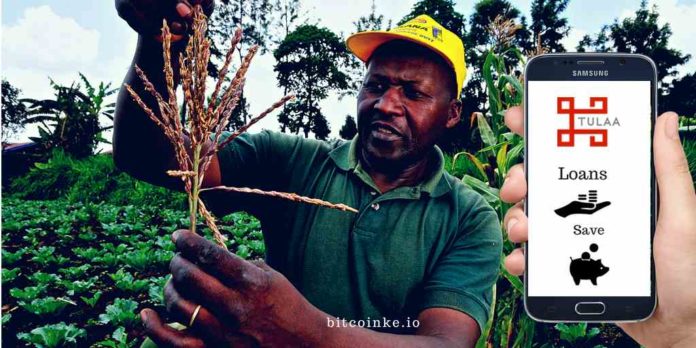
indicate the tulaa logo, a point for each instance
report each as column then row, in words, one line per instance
column 584, row 121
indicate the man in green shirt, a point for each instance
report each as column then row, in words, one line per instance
column 414, row 267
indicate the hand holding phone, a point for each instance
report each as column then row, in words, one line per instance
column 674, row 320
column 591, row 188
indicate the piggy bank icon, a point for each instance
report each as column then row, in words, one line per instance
column 587, row 268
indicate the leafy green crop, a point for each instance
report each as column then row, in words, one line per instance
column 125, row 281
column 9, row 259
column 92, row 301
column 44, row 255
column 243, row 251
column 86, row 253
column 54, row 335
column 78, row 286
column 144, row 259
column 5, row 318
column 107, row 259
column 87, row 236
column 29, row 293
column 129, row 264
column 48, row 306
column 42, row 278
column 8, row 275
column 75, row 272
column 33, row 236
column 119, row 340
column 576, row 333
column 121, row 312
column 156, row 289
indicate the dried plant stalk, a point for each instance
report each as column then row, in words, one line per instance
column 204, row 122
column 289, row 196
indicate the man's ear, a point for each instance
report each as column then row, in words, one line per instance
column 454, row 112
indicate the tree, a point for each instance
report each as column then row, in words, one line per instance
column 14, row 112
column 308, row 63
column 349, row 128
column 441, row 11
column 597, row 44
column 548, row 25
column 71, row 121
column 354, row 67
column 320, row 127
column 253, row 16
column 288, row 12
column 681, row 96
column 372, row 21
column 641, row 34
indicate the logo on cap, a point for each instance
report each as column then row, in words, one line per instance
column 437, row 33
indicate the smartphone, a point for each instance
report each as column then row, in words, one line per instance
column 591, row 197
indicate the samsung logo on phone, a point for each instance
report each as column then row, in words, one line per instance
column 590, row 73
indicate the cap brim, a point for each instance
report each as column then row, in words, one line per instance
column 363, row 44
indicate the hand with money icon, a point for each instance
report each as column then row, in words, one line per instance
column 585, row 204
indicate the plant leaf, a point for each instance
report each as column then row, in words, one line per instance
column 501, row 160
column 485, row 130
column 490, row 194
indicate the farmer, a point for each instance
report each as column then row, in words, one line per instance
column 414, row 267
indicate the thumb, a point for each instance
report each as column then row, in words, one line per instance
column 677, row 197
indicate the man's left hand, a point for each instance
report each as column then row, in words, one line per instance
column 242, row 303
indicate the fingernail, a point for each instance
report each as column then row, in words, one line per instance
column 175, row 235
column 183, row 10
column 511, row 223
column 143, row 315
column 672, row 126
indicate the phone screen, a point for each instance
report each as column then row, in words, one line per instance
column 589, row 188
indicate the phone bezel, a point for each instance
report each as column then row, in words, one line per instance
column 621, row 67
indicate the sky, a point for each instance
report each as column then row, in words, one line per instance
column 59, row 38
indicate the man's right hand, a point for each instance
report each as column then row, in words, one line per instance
column 145, row 16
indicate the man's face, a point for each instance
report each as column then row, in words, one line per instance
column 403, row 108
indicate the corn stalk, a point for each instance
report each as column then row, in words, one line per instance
column 206, row 117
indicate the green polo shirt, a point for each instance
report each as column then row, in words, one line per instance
column 437, row 244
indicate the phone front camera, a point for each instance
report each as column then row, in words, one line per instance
column 622, row 61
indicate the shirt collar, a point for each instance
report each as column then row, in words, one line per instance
column 345, row 156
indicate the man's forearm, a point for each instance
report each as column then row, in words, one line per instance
column 139, row 145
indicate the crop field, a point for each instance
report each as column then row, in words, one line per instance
column 78, row 274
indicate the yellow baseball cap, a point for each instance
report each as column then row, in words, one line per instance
column 421, row 30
